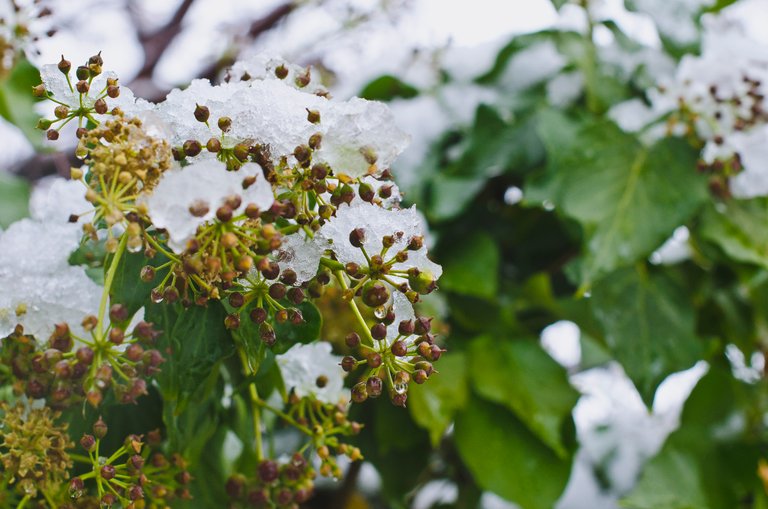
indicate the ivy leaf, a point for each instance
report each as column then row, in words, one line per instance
column 738, row 228
column 708, row 463
column 649, row 326
column 627, row 197
column 521, row 376
column 128, row 288
column 494, row 146
column 386, row 88
column 505, row 457
column 14, row 199
column 17, row 104
column 193, row 341
column 471, row 267
column 434, row 404
column 288, row 334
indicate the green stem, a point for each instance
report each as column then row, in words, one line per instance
column 355, row 310
column 23, row 502
column 108, row 285
column 255, row 401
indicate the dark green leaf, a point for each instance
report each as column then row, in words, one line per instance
column 628, row 198
column 471, row 267
column 649, row 326
column 506, row 458
column 288, row 334
column 14, row 199
column 525, row 379
column 494, row 146
column 739, row 229
column 706, row 464
column 386, row 88
column 434, row 403
column 128, row 288
column 194, row 341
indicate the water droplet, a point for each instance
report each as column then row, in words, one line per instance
column 380, row 312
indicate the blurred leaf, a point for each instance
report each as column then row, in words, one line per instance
column 447, row 197
column 649, row 325
column 494, row 146
column 193, row 342
column 395, row 444
column 17, row 104
column 471, row 267
column 739, row 228
column 705, row 464
column 629, row 198
column 14, row 199
column 506, row 458
column 434, row 403
column 525, row 379
column 386, row 88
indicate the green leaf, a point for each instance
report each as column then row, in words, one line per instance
column 628, row 198
column 288, row 334
column 709, row 462
column 17, row 104
column 447, row 197
column 494, row 146
column 14, row 199
column 194, row 341
column 471, row 267
column 525, row 379
column 127, row 288
column 739, row 229
column 386, row 88
column 649, row 325
column 506, row 458
column 434, row 403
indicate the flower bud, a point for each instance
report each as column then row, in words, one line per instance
column 64, row 65
column 202, row 113
column 100, row 106
column 82, row 73
column 315, row 141
column 82, row 86
column 52, row 134
column 422, row 282
column 213, row 145
column 88, row 442
column 374, row 386
column 268, row 471
column 399, row 348
column 375, row 294
column 107, row 472
column 100, row 428
column 374, row 360
column 225, row 123
column 61, row 111
column 352, row 340
column 357, row 237
column 281, row 71
column 359, row 392
column 313, row 116
column 348, row 363
column 118, row 313
column 379, row 331
column 192, row 148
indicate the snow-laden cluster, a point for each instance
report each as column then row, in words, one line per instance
column 255, row 190
column 722, row 94
column 312, row 370
column 40, row 289
column 186, row 198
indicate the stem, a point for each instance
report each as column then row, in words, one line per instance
column 23, row 502
column 255, row 403
column 108, row 285
column 355, row 309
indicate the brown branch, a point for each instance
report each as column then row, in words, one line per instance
column 154, row 44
